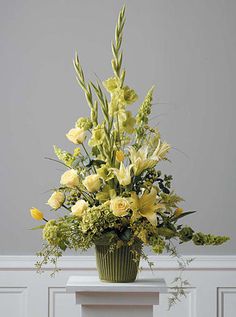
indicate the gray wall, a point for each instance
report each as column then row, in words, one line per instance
column 186, row 47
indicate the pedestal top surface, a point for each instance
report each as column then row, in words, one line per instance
column 93, row 284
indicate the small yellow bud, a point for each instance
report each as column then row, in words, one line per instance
column 120, row 156
column 178, row 211
column 77, row 151
column 36, row 214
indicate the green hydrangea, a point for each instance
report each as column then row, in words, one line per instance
column 186, row 234
column 97, row 219
column 50, row 232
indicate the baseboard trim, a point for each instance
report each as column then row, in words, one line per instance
column 201, row 262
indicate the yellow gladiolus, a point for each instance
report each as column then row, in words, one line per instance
column 36, row 214
column 111, row 84
column 145, row 206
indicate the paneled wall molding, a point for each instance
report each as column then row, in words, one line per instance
column 200, row 262
column 24, row 293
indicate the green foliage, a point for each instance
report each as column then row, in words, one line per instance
column 200, row 238
column 116, row 46
column 64, row 156
column 131, row 201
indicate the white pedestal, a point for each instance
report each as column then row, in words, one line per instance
column 99, row 299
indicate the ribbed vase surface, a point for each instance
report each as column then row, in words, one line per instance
column 117, row 266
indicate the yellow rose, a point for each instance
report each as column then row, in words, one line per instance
column 56, row 200
column 76, row 135
column 70, row 178
column 36, row 214
column 92, row 183
column 79, row 208
column 119, row 206
column 120, row 156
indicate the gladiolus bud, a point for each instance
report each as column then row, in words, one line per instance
column 178, row 211
column 120, row 156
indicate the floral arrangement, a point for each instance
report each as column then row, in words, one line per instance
column 112, row 190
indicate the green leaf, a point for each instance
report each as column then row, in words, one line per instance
column 38, row 227
column 174, row 218
column 167, row 233
column 125, row 235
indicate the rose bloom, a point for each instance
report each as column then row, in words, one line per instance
column 79, row 208
column 70, row 178
column 76, row 135
column 92, row 183
column 56, row 200
column 119, row 206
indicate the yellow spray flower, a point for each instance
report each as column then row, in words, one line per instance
column 123, row 174
column 140, row 160
column 120, row 156
column 36, row 214
column 145, row 206
column 77, row 151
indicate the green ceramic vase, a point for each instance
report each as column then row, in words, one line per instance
column 118, row 266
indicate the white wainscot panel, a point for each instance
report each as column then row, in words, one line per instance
column 185, row 308
column 226, row 301
column 61, row 304
column 13, row 301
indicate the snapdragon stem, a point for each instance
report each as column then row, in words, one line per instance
column 88, row 156
column 66, row 208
